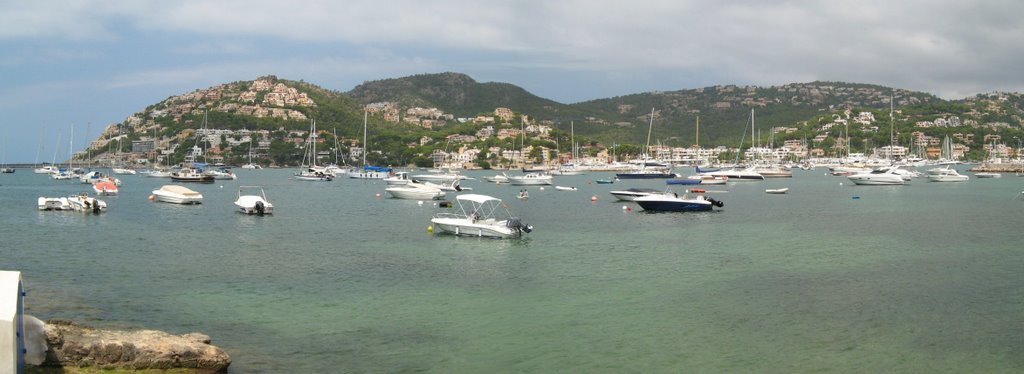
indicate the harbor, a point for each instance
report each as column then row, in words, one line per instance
column 830, row 276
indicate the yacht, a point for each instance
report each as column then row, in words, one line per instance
column 948, row 175
column 671, row 202
column 878, row 177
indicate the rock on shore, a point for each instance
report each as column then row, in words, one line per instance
column 73, row 345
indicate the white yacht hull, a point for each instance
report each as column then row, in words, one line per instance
column 488, row 228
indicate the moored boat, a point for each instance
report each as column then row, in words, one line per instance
column 672, row 202
column 176, row 194
column 252, row 203
column 481, row 216
column 631, row 194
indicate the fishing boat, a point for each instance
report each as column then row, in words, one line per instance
column 481, row 216
column 631, row 194
column 176, row 194
column 191, row 175
column 671, row 202
column 249, row 202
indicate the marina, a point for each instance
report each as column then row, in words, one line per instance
column 920, row 277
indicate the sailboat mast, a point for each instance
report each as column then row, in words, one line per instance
column 891, row 120
column 650, row 127
column 365, row 118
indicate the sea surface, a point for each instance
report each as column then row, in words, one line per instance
column 831, row 277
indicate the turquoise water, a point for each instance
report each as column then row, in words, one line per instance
column 918, row 278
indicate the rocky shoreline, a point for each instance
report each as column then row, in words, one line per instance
column 76, row 348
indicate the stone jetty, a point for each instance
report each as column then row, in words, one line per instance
column 71, row 346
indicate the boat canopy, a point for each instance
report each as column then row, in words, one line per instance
column 477, row 198
column 376, row 168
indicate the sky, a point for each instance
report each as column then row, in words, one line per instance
column 83, row 65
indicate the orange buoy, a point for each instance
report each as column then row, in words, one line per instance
column 593, row 198
column 152, row 197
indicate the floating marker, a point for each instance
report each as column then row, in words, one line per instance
column 542, row 188
column 430, row 228
column 856, row 197
column 419, row 202
column 593, row 198
column 377, row 194
column 152, row 197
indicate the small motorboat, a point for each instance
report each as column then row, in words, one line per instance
column 104, row 187
column 607, row 181
column 671, row 202
column 416, row 191
column 777, row 191
column 252, row 203
column 81, row 203
column 481, row 216
column 176, row 194
column 186, row 175
column 565, row 188
column 986, row 174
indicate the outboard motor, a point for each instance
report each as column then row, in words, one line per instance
column 260, row 209
column 95, row 207
column 517, row 224
column 716, row 202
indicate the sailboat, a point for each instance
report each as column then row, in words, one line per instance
column 368, row 171
column 251, row 165
column 4, row 168
column 643, row 171
column 571, row 168
column 882, row 176
column 309, row 171
column 745, row 174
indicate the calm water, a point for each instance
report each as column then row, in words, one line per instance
column 919, row 278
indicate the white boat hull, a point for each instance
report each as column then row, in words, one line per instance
column 177, row 195
column 466, row 227
column 415, row 193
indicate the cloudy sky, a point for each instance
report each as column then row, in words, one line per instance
column 92, row 63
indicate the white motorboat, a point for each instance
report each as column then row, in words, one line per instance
column 531, row 179
column 986, row 174
column 878, row 177
column 84, row 203
column 481, row 216
column 734, row 175
column 440, row 177
column 400, row 178
column 177, row 194
column 221, row 174
column 251, row 203
column 123, row 171
column 948, row 175
column 49, row 169
column 565, row 188
column 252, row 166
column 500, row 178
column 312, row 175
column 453, row 186
column 631, row 194
column 415, row 191
column 776, row 191
column 159, row 173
